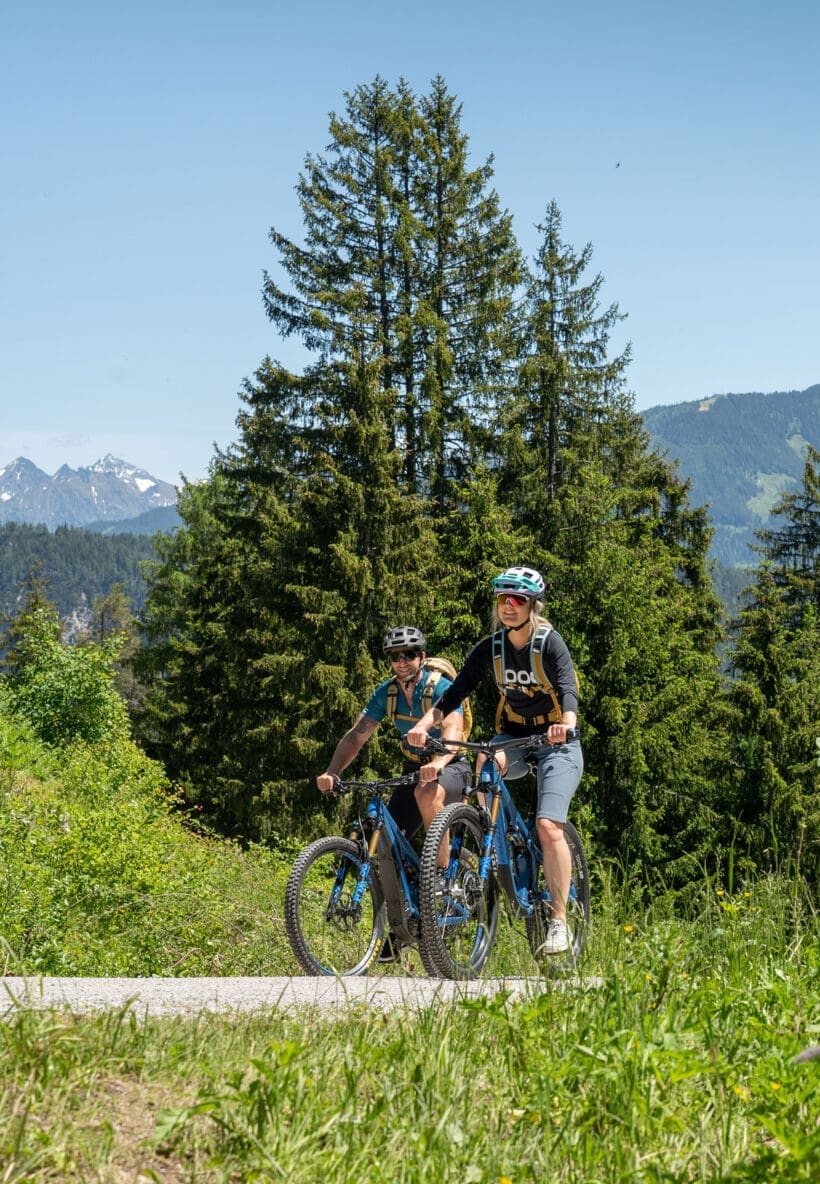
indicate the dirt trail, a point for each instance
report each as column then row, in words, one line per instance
column 174, row 996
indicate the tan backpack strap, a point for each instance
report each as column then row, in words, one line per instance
column 392, row 699
column 499, row 714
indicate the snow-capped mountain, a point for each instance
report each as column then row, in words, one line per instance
column 107, row 491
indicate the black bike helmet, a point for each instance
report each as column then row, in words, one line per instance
column 521, row 581
column 404, row 637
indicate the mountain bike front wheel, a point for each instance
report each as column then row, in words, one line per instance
column 577, row 910
column 459, row 913
column 328, row 931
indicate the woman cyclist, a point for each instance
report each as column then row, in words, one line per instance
column 538, row 695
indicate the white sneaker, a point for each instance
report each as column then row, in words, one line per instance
column 557, row 941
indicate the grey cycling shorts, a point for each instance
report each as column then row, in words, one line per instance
column 558, row 774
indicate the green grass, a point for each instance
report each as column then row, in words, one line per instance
column 676, row 1066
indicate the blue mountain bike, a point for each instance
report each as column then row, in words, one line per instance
column 494, row 854
column 344, row 894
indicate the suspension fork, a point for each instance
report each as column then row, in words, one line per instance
column 486, row 862
column 365, row 868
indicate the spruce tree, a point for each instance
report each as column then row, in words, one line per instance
column 267, row 613
column 774, row 698
column 408, row 255
column 206, row 605
column 625, row 557
column 570, row 406
column 362, row 559
column 794, row 548
column 470, row 269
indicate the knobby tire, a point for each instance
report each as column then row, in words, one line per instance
column 578, row 911
column 458, row 926
column 327, row 937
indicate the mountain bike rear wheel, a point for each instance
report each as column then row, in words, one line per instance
column 328, row 933
column 578, row 910
column 459, row 917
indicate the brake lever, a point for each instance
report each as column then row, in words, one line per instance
column 434, row 747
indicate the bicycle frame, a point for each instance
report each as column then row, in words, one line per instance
column 396, row 860
column 344, row 894
column 493, row 851
column 511, row 847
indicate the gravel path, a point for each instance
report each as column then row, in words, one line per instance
column 175, row 996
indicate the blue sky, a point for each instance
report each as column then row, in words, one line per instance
column 146, row 151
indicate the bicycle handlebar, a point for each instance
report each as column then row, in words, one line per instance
column 490, row 747
column 378, row 785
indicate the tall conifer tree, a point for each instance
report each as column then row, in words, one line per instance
column 625, row 557
column 775, row 695
column 407, row 251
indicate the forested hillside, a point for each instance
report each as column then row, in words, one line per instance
column 164, row 518
column 76, row 565
column 741, row 452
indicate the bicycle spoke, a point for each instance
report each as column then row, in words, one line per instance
column 459, row 914
column 329, row 929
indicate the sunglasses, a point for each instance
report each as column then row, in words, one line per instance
column 404, row 655
column 510, row 598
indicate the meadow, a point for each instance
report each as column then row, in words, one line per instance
column 670, row 1058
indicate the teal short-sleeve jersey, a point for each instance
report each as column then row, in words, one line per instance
column 406, row 716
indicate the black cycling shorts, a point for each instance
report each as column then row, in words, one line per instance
column 453, row 778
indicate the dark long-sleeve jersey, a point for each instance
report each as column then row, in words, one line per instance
column 519, row 679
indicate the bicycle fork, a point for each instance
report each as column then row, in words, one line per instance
column 363, row 875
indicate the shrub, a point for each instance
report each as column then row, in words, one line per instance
column 67, row 692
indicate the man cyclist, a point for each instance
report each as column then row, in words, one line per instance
column 538, row 694
column 442, row 779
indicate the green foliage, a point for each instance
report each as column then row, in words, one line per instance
column 99, row 877
column 36, row 620
column 65, row 692
column 268, row 607
column 794, row 549
column 773, row 699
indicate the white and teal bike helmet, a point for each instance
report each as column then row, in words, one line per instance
column 520, row 581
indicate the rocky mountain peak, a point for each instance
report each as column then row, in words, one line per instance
column 107, row 491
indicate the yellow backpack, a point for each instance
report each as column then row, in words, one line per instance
column 435, row 668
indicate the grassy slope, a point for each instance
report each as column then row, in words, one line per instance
column 98, row 876
column 678, row 1068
